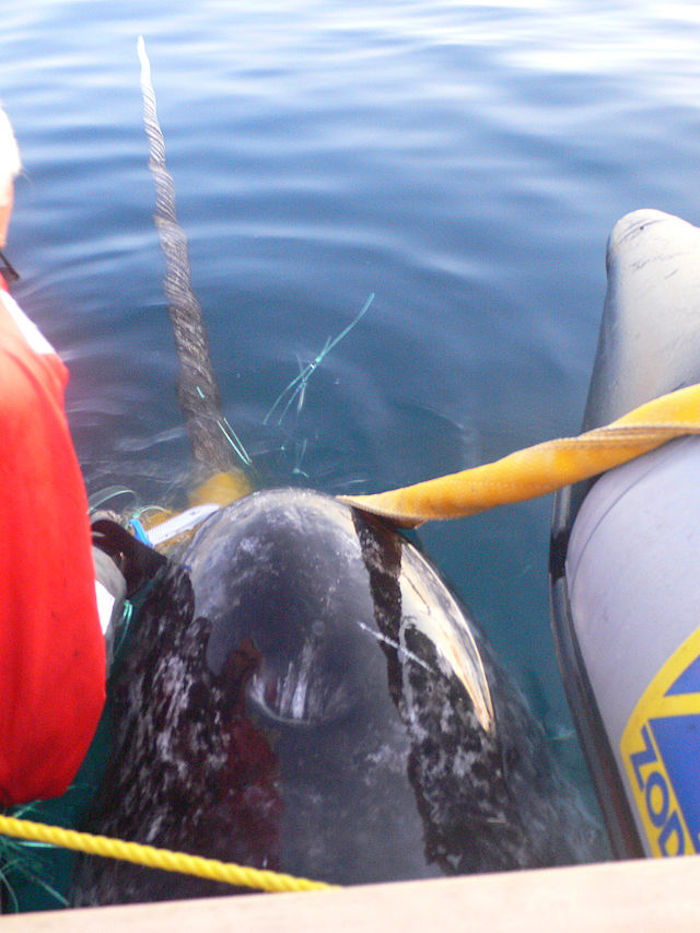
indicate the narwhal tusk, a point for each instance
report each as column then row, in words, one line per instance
column 197, row 391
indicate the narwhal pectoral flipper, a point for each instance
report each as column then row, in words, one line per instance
column 214, row 444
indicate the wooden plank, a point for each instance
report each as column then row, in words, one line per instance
column 644, row 895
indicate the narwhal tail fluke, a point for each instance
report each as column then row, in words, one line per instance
column 212, row 442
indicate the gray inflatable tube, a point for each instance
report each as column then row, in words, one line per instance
column 623, row 574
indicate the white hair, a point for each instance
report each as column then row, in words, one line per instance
column 10, row 163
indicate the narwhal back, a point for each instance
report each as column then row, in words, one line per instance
column 303, row 693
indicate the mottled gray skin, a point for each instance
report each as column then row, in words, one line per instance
column 285, row 702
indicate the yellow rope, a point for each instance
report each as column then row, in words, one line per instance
column 541, row 469
column 157, row 858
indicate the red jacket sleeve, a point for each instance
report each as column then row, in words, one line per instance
column 52, row 662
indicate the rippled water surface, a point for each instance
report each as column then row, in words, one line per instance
column 463, row 162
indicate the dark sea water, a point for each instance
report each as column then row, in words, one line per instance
column 463, row 162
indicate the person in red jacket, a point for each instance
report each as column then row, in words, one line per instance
column 52, row 651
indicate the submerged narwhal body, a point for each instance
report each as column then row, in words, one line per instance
column 303, row 693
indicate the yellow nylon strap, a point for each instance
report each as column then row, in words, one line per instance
column 222, row 488
column 157, row 858
column 541, row 469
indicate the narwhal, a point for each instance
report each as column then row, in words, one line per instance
column 303, row 692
